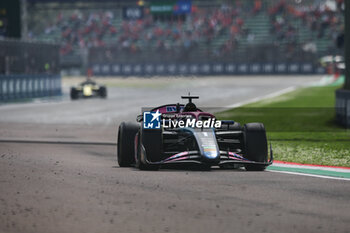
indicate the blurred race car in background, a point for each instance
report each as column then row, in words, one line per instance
column 88, row 89
column 333, row 64
column 227, row 145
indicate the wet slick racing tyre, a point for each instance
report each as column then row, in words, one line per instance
column 73, row 93
column 151, row 148
column 255, row 144
column 126, row 138
column 102, row 91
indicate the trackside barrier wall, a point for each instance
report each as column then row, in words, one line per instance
column 342, row 107
column 150, row 69
column 14, row 87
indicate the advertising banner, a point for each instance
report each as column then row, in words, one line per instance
column 183, row 7
column 132, row 13
column 162, row 7
column 150, row 69
column 171, row 7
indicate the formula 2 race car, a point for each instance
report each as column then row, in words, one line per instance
column 88, row 89
column 182, row 135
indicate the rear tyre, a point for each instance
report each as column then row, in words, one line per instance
column 103, row 92
column 73, row 93
column 126, row 138
column 152, row 142
column 255, row 144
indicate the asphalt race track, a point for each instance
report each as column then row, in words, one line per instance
column 58, row 170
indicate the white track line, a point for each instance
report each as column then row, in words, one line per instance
column 321, row 82
column 312, row 175
column 271, row 95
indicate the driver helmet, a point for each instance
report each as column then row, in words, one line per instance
column 190, row 107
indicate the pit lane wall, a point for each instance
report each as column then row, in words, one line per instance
column 17, row 87
column 164, row 69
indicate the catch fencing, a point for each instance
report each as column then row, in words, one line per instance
column 28, row 70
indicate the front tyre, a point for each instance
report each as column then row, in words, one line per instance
column 149, row 149
column 255, row 143
column 126, row 136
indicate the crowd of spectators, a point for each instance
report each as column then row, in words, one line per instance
column 218, row 30
column 324, row 19
column 83, row 30
column 86, row 29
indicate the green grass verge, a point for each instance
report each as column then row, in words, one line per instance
column 300, row 126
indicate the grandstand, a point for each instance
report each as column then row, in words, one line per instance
column 214, row 31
